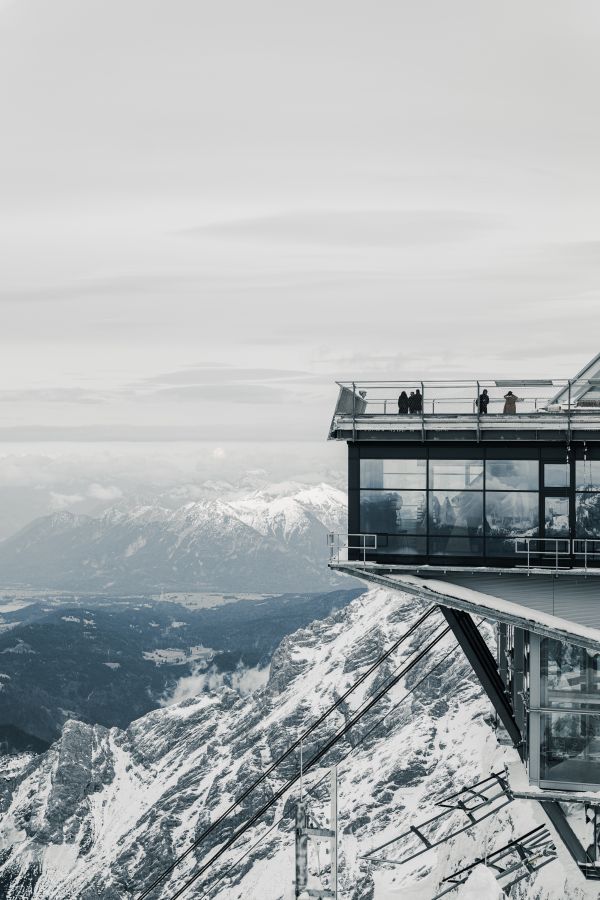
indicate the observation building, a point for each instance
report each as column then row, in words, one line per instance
column 490, row 509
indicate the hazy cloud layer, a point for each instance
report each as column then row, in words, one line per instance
column 211, row 211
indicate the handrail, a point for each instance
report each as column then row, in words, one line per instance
column 556, row 552
column 533, row 396
column 534, row 548
column 336, row 544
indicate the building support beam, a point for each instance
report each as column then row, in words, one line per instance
column 484, row 665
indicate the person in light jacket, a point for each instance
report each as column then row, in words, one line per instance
column 510, row 404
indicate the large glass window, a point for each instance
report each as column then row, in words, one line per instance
column 587, row 515
column 392, row 512
column 401, row 545
column 393, row 474
column 512, row 475
column 570, row 714
column 460, row 474
column 455, row 545
column 557, row 475
column 455, row 512
column 426, row 502
column 587, row 475
column 570, row 748
column 556, row 517
column 570, row 676
column 511, row 513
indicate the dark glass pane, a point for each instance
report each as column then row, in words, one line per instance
column 556, row 517
column 392, row 512
column 512, row 474
column 570, row 748
column 456, row 512
column 511, row 513
column 557, row 475
column 402, row 545
column 569, row 676
column 587, row 475
column 587, row 515
column 393, row 473
column 504, row 547
column 460, row 474
column 452, row 545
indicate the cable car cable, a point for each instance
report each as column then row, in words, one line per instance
column 237, row 802
column 308, row 765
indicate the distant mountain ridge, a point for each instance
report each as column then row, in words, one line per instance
column 268, row 541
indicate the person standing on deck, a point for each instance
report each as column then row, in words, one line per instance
column 418, row 401
column 403, row 404
column 412, row 402
column 484, row 399
column 510, row 404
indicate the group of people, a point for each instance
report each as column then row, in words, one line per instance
column 412, row 404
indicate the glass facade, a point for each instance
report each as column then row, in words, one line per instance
column 569, row 714
column 556, row 517
column 449, row 507
column 587, row 498
column 512, row 474
column 512, row 513
column 557, row 475
column 392, row 512
column 487, row 502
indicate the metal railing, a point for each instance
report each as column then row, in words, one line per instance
column 588, row 548
column 557, row 553
column 555, row 549
column 340, row 543
column 533, row 396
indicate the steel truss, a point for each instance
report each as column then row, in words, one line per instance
column 476, row 802
column 517, row 860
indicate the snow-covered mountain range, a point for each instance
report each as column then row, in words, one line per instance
column 102, row 812
column 268, row 541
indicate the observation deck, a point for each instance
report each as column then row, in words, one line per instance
column 546, row 409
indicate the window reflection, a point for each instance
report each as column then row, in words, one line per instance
column 587, row 475
column 569, row 683
column 392, row 512
column 587, row 515
column 402, row 545
column 511, row 513
column 455, row 512
column 393, row 473
column 569, row 676
column 570, row 749
column 556, row 517
column 456, row 545
column 461, row 474
column 557, row 475
column 512, row 474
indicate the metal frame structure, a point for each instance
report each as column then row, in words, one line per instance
column 469, row 801
column 511, row 863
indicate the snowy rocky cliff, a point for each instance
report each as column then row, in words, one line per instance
column 104, row 811
column 265, row 541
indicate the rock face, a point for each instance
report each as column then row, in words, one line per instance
column 102, row 812
column 260, row 543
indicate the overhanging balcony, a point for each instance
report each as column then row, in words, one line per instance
column 547, row 409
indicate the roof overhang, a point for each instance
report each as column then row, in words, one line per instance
column 443, row 593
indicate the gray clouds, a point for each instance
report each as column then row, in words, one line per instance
column 212, row 210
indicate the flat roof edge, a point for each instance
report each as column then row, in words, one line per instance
column 471, row 601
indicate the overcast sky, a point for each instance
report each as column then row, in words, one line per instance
column 210, row 210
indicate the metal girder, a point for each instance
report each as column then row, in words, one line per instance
column 475, row 802
column 512, row 863
column 484, row 665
